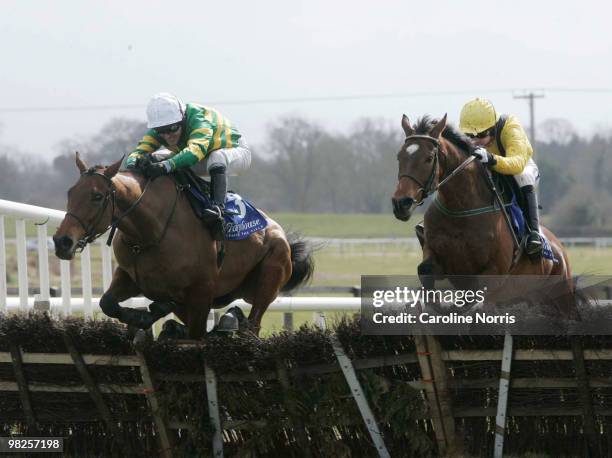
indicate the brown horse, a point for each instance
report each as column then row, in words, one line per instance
column 164, row 252
column 458, row 238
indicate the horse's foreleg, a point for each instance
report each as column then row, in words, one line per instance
column 121, row 288
column 427, row 271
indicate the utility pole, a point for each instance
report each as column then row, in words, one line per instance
column 531, row 96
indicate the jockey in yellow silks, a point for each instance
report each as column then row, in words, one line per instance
column 503, row 146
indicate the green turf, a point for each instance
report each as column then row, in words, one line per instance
column 353, row 225
column 10, row 230
column 344, row 267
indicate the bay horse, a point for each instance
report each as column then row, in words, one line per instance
column 460, row 237
column 164, row 252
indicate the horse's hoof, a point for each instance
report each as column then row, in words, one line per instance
column 161, row 309
column 172, row 330
column 137, row 318
column 228, row 323
column 141, row 338
column 233, row 320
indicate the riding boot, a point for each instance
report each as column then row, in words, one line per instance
column 214, row 215
column 533, row 246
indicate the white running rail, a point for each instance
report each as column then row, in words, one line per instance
column 43, row 218
column 87, row 304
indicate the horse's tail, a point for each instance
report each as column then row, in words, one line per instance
column 302, row 262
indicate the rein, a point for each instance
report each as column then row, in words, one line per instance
column 111, row 196
column 428, row 188
column 137, row 249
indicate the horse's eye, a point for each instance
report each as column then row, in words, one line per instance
column 429, row 158
column 97, row 197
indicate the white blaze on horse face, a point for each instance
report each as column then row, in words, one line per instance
column 412, row 149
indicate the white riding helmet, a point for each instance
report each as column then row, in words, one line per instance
column 164, row 109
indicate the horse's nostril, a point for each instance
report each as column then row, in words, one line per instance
column 63, row 243
column 406, row 202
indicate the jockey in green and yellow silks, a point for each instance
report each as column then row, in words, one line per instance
column 190, row 134
column 503, row 146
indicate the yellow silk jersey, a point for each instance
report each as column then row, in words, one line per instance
column 517, row 146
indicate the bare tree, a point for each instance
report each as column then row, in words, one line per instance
column 556, row 130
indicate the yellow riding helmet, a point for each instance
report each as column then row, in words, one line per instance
column 477, row 116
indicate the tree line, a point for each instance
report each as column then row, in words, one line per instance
column 303, row 167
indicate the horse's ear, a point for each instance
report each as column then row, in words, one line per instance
column 437, row 130
column 81, row 165
column 408, row 130
column 112, row 170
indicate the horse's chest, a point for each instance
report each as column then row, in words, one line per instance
column 158, row 275
column 461, row 251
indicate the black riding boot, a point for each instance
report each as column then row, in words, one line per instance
column 533, row 246
column 214, row 215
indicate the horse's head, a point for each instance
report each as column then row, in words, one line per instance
column 91, row 203
column 418, row 168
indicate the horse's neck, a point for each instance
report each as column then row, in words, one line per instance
column 465, row 191
column 144, row 222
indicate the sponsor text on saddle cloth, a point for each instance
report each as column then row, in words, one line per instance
column 241, row 217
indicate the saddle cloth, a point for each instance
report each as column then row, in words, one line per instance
column 241, row 217
column 520, row 228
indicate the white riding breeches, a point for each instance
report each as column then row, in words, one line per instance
column 529, row 176
column 236, row 160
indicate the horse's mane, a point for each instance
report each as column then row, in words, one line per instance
column 451, row 133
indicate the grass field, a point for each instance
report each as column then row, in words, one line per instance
column 339, row 266
column 312, row 225
column 335, row 266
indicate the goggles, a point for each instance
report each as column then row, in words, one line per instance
column 168, row 129
column 483, row 134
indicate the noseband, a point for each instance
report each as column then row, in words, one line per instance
column 109, row 196
column 427, row 188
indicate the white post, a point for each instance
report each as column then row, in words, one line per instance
column 210, row 320
column 362, row 403
column 65, row 284
column 107, row 265
column 502, row 400
column 22, row 264
column 86, row 281
column 43, row 261
column 213, row 411
column 2, row 266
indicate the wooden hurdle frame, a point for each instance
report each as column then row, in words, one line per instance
column 434, row 381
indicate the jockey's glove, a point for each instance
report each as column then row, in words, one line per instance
column 485, row 157
column 157, row 169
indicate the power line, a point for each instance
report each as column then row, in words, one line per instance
column 333, row 98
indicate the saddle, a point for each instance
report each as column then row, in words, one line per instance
column 241, row 218
column 198, row 190
column 516, row 206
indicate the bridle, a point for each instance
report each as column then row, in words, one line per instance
column 427, row 188
column 109, row 197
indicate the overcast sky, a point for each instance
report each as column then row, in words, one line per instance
column 116, row 53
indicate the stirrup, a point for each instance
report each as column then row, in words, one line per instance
column 209, row 215
column 534, row 244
